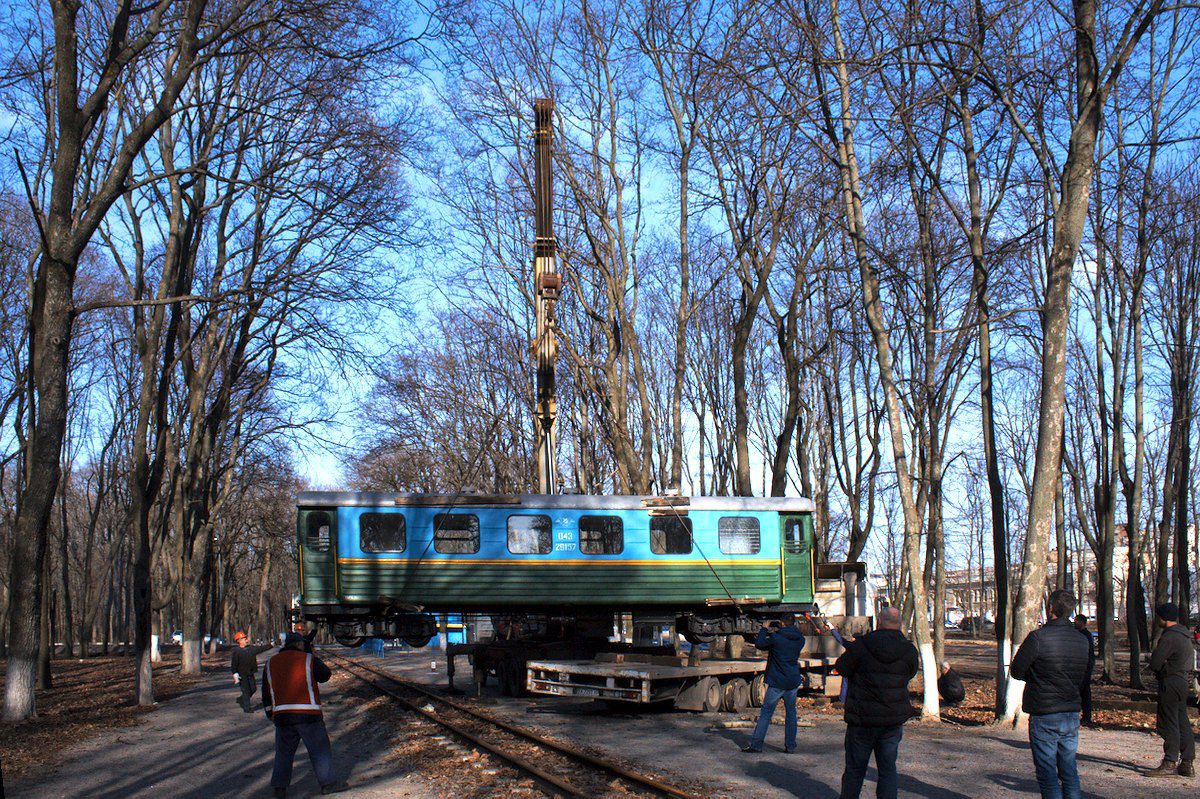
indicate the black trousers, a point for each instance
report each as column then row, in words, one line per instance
column 249, row 687
column 861, row 743
column 1085, row 701
column 1174, row 726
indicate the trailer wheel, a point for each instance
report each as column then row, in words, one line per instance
column 737, row 695
column 417, row 641
column 351, row 641
column 712, row 695
column 758, row 690
column 728, row 695
column 511, row 678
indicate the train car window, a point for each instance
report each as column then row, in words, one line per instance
column 670, row 535
column 529, row 534
column 456, row 533
column 738, row 535
column 318, row 532
column 794, row 539
column 382, row 532
column 601, row 535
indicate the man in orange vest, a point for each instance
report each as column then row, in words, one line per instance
column 292, row 699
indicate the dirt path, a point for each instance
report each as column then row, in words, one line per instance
column 937, row 761
column 201, row 744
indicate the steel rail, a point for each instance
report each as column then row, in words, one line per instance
column 520, row 763
column 565, row 749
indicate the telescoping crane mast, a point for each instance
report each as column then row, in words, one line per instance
column 546, row 281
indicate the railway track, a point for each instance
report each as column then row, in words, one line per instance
column 559, row 768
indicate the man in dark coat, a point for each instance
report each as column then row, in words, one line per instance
column 879, row 666
column 1085, row 690
column 950, row 686
column 1053, row 661
column 1172, row 663
column 244, row 665
column 782, row 641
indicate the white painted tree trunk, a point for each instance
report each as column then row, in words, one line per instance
column 155, row 652
column 1013, row 715
column 930, row 703
column 144, row 682
column 192, row 650
column 19, row 701
column 1010, row 714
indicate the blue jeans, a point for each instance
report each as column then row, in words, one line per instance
column 1054, row 739
column 768, row 710
column 861, row 742
column 316, row 741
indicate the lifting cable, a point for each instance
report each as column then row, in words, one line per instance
column 707, row 562
column 461, row 491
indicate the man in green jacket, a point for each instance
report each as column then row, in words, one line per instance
column 1172, row 662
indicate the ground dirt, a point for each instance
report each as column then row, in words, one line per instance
column 200, row 744
column 88, row 698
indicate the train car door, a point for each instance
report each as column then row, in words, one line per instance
column 318, row 556
column 796, row 541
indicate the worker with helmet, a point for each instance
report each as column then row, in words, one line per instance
column 244, row 665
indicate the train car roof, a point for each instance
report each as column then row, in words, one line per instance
column 307, row 499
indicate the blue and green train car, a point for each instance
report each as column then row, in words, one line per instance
column 377, row 564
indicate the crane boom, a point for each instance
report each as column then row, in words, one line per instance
column 547, row 281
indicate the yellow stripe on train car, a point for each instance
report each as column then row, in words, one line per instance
column 587, row 562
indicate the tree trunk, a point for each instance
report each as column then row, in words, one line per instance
column 851, row 192
column 45, row 680
column 51, row 322
column 1070, row 217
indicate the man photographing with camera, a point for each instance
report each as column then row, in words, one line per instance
column 782, row 641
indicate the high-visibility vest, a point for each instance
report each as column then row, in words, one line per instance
column 289, row 685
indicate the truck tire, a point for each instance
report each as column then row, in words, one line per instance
column 712, row 695
column 758, row 690
column 737, row 695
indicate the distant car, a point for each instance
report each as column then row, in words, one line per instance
column 976, row 624
column 177, row 637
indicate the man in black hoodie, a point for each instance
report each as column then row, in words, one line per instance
column 879, row 666
column 1053, row 662
column 1172, row 663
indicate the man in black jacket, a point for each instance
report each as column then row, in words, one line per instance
column 1172, row 663
column 1053, row 662
column 244, row 664
column 1085, row 690
column 879, row 666
column 950, row 687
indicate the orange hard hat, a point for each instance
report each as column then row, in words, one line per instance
column 239, row 636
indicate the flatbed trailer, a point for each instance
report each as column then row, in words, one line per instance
column 709, row 686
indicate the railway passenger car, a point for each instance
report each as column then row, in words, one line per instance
column 377, row 564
